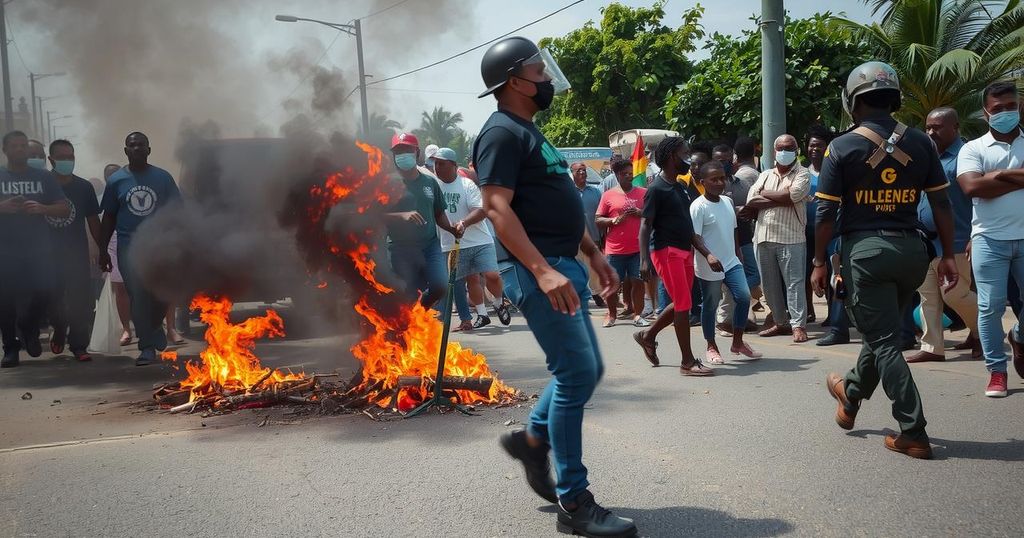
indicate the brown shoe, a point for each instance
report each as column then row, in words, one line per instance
column 696, row 370
column 919, row 449
column 776, row 330
column 836, row 386
column 724, row 327
column 924, row 356
column 1018, row 354
column 650, row 350
column 799, row 335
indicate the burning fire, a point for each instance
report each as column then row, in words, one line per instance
column 406, row 344
column 228, row 363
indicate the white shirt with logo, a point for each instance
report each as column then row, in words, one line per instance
column 461, row 197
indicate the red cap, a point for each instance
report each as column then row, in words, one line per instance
column 405, row 139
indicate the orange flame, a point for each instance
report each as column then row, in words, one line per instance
column 228, row 363
column 408, row 344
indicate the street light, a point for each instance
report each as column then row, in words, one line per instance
column 354, row 31
column 42, row 128
column 49, row 123
column 38, row 118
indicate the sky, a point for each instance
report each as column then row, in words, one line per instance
column 250, row 96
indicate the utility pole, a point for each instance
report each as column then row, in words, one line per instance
column 36, row 120
column 362, row 78
column 8, row 99
column 49, row 128
column 773, row 78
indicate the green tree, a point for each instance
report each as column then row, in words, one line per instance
column 723, row 97
column 620, row 71
column 439, row 126
column 381, row 130
column 947, row 51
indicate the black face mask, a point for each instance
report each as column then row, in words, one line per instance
column 545, row 93
column 684, row 166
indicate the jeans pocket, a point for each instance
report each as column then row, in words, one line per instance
column 518, row 284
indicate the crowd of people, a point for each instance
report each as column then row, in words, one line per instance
column 57, row 238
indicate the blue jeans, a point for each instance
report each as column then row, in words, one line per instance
column 736, row 281
column 992, row 260
column 570, row 349
column 663, row 299
column 148, row 311
column 422, row 269
column 462, row 300
column 750, row 266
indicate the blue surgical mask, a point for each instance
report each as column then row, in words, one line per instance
column 1005, row 122
column 785, row 157
column 64, row 168
column 405, row 161
column 37, row 163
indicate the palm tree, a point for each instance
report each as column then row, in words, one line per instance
column 947, row 51
column 439, row 127
column 381, row 130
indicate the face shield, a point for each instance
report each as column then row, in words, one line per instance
column 551, row 70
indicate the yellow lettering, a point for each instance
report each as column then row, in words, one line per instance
column 889, row 176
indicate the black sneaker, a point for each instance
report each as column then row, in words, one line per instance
column 33, row 347
column 147, row 357
column 504, row 315
column 599, row 301
column 10, row 359
column 535, row 463
column 481, row 321
column 591, row 519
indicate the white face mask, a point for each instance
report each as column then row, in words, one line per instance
column 785, row 157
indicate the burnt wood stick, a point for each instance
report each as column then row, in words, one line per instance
column 480, row 385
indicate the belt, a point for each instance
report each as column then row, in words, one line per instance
column 888, row 233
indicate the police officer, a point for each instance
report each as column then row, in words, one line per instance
column 538, row 216
column 877, row 172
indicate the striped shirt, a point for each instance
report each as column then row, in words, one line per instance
column 782, row 224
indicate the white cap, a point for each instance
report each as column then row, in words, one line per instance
column 430, row 151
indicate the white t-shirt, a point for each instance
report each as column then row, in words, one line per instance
column 715, row 222
column 998, row 218
column 461, row 197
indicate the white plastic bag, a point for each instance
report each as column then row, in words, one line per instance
column 106, row 327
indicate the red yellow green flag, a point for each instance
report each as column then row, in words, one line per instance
column 639, row 163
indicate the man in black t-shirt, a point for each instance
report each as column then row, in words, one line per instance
column 667, row 242
column 878, row 171
column 27, row 196
column 538, row 216
column 71, row 304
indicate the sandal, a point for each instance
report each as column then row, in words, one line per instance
column 56, row 347
column 608, row 322
column 641, row 322
column 628, row 314
column 696, row 370
column 747, row 351
column 82, row 356
column 776, row 330
column 650, row 350
column 126, row 338
column 465, row 326
column 714, row 357
column 799, row 335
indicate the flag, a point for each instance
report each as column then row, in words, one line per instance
column 639, row 163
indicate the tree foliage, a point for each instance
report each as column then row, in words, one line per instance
column 946, row 51
column 723, row 97
column 439, row 126
column 620, row 71
column 381, row 130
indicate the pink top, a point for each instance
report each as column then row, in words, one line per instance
column 622, row 238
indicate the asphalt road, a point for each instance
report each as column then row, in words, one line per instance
column 753, row 451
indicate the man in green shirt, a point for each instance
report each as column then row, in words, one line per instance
column 412, row 222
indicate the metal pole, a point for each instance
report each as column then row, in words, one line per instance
column 35, row 117
column 8, row 98
column 49, row 128
column 362, row 78
column 773, row 78
column 39, row 105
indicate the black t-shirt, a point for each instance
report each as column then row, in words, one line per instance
column 886, row 197
column 424, row 196
column 512, row 152
column 22, row 234
column 667, row 210
column 70, row 243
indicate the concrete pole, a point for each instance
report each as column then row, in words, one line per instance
column 49, row 128
column 773, row 78
column 8, row 98
column 35, row 117
column 362, row 78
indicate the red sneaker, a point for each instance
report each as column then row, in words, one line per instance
column 996, row 385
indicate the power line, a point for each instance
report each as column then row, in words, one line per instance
column 315, row 65
column 379, row 11
column 421, row 90
column 467, row 51
column 14, row 41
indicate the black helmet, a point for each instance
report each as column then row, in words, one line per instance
column 502, row 59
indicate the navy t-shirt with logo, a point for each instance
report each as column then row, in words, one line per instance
column 511, row 152
column 70, row 242
column 21, row 234
column 134, row 196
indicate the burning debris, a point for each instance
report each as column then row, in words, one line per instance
column 398, row 353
